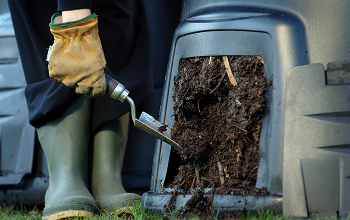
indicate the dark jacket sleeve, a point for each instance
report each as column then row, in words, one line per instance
column 71, row 5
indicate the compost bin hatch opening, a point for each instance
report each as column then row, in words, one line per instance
column 218, row 107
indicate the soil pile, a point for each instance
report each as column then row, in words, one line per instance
column 218, row 119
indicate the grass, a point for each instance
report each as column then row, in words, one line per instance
column 21, row 212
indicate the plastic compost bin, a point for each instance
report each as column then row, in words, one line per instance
column 304, row 142
column 17, row 136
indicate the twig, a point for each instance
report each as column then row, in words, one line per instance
column 192, row 185
column 256, row 65
column 179, row 186
column 240, row 128
column 245, row 140
column 197, row 174
column 198, row 104
column 217, row 86
column 226, row 174
column 253, row 169
column 211, row 60
column 221, row 173
column 229, row 71
column 240, row 146
column 212, row 188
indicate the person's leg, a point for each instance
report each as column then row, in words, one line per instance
column 109, row 148
column 65, row 144
column 46, row 98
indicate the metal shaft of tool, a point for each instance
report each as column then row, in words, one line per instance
column 132, row 108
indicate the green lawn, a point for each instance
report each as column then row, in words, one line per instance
column 20, row 212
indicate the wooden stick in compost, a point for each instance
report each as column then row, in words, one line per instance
column 197, row 174
column 211, row 60
column 193, row 182
column 229, row 71
column 217, row 86
column 221, row 173
column 253, row 169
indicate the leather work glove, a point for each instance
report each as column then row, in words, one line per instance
column 76, row 57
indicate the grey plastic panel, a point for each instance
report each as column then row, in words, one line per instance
column 326, row 22
column 16, row 134
column 158, row 202
column 32, row 194
column 316, row 146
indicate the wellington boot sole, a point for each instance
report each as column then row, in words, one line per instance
column 119, row 201
column 69, row 214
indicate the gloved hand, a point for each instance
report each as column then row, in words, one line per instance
column 76, row 57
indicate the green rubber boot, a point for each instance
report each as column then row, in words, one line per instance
column 109, row 149
column 65, row 144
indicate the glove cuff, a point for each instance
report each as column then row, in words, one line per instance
column 56, row 20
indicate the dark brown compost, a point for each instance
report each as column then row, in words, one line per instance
column 218, row 125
